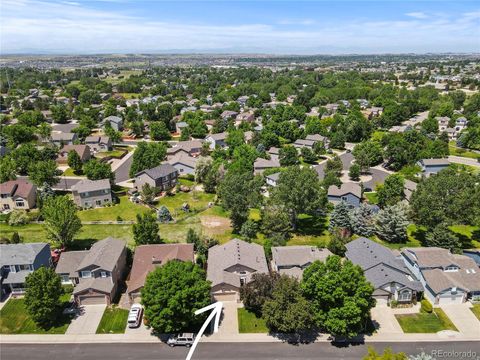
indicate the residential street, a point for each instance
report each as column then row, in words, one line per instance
column 210, row 351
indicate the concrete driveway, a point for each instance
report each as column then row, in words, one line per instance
column 87, row 320
column 463, row 318
column 384, row 320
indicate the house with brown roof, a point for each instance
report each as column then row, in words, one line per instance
column 98, row 143
column 448, row 278
column 351, row 193
column 82, row 150
column 96, row 273
column 292, row 260
column 191, row 148
column 184, row 163
column 231, row 265
column 149, row 257
column 17, row 195
column 261, row 164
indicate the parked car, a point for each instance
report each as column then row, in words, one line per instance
column 185, row 339
column 135, row 316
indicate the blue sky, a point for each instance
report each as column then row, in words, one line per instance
column 278, row 27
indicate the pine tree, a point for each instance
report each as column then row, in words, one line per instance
column 392, row 222
column 341, row 217
column 442, row 236
column 362, row 220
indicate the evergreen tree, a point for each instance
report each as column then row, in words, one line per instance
column 341, row 218
column 392, row 222
column 363, row 222
column 442, row 236
column 163, row 214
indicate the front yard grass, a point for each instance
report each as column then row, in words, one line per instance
column 476, row 310
column 248, row 322
column 114, row 321
column 14, row 319
column 124, row 210
column 425, row 322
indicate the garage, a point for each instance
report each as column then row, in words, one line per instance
column 449, row 298
column 225, row 297
column 92, row 300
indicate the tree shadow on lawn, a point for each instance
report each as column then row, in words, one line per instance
column 466, row 241
column 311, row 225
column 420, row 235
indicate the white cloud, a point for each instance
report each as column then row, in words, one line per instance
column 417, row 15
column 68, row 27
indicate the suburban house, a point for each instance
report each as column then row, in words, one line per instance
column 408, row 188
column 247, row 116
column 164, row 177
column 180, row 126
column 192, row 148
column 317, row 138
column 217, row 140
column 83, row 152
column 261, row 164
column 292, row 260
column 98, row 143
column 96, row 273
column 228, row 114
column 184, row 163
column 17, row 195
column 274, row 152
column 232, row 265
column 388, row 274
column 272, row 179
column 19, row 260
column 115, row 121
column 301, row 143
column 148, row 257
column 351, row 193
column 92, row 193
column 432, row 166
column 447, row 278
column 60, row 139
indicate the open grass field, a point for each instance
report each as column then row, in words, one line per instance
column 114, row 321
column 14, row 319
column 425, row 322
column 248, row 322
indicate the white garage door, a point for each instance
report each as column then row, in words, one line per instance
column 92, row 300
column 450, row 299
column 225, row 297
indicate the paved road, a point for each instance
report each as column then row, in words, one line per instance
column 217, row 351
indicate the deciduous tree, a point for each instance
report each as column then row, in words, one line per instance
column 60, row 219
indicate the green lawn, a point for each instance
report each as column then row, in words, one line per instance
column 196, row 199
column 87, row 235
column 14, row 319
column 70, row 172
column 116, row 153
column 185, row 181
column 372, row 197
column 476, row 310
column 425, row 322
column 248, row 322
column 125, row 209
column 461, row 152
column 114, row 321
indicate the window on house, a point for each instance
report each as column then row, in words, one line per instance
column 98, row 202
column 405, row 296
column 344, row 198
column 451, row 268
column 24, row 267
column 103, row 274
column 65, row 279
column 86, row 274
column 6, row 207
column 19, row 203
column 13, row 269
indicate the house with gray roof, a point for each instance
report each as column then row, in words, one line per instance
column 95, row 273
column 115, row 121
column 60, row 139
column 387, row 272
column 217, row 140
column 292, row 260
column 448, row 278
column 98, row 143
column 432, row 166
column 272, row 179
column 92, row 193
column 17, row 261
column 184, row 163
column 231, row 265
column 191, row 147
column 351, row 193
column 261, row 164
column 163, row 177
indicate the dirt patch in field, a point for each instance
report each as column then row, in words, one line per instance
column 214, row 225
